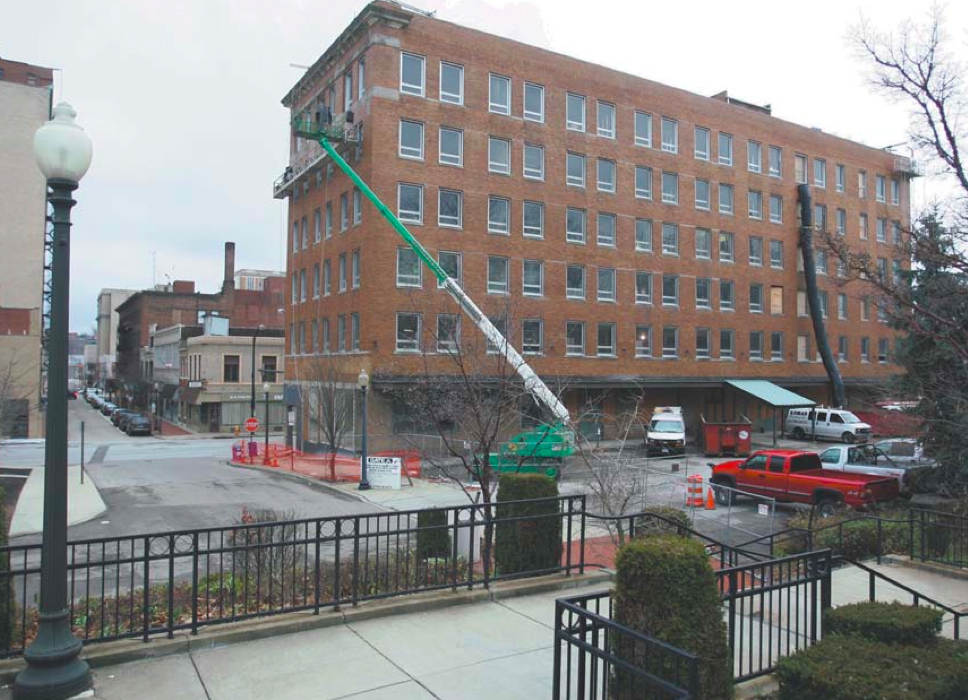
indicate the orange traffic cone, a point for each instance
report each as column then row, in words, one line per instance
column 710, row 500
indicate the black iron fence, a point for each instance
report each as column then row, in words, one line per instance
column 145, row 585
column 596, row 657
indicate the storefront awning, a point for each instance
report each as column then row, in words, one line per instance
column 770, row 393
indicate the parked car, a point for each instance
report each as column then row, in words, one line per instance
column 867, row 459
column 795, row 476
column 106, row 408
column 71, row 394
column 138, row 425
column 827, row 423
column 115, row 415
column 124, row 418
column 905, row 451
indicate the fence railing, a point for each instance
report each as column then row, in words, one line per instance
column 596, row 657
column 144, row 585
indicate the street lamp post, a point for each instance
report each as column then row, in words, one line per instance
column 266, row 386
column 252, row 400
column 364, row 382
column 54, row 669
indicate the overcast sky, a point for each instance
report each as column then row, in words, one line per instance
column 182, row 100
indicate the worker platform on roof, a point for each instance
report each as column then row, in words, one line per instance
column 770, row 393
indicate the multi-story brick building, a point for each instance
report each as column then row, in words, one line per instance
column 642, row 236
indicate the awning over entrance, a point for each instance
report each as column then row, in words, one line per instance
column 770, row 393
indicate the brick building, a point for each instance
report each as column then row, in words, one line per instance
column 639, row 236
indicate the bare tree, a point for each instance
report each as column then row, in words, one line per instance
column 330, row 399
column 15, row 394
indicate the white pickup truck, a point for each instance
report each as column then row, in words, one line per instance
column 866, row 459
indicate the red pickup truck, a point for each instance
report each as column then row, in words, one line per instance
column 794, row 476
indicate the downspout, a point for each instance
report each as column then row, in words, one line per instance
column 813, row 298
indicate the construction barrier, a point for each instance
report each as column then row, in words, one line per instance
column 335, row 467
column 694, row 491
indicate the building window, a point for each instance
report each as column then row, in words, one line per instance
column 230, row 368
column 412, row 74
column 357, row 206
column 606, row 230
column 701, row 149
column 702, row 195
column 756, row 298
column 801, row 303
column 532, row 340
column 574, row 338
column 670, row 135
column 822, row 298
column 895, row 192
column 702, row 343
column 450, row 208
column 316, row 281
column 754, row 156
column 821, row 262
column 754, row 202
column 451, row 83
column 575, row 112
column 842, row 349
column 408, row 332
column 881, row 184
column 451, row 264
column 704, row 243
column 803, row 347
column 756, row 345
column 533, row 161
column 842, row 307
column 411, row 139
column 725, row 199
column 670, row 188
column 533, row 219
column 820, row 173
column 499, row 100
column 776, row 161
column 865, row 309
column 756, row 251
column 305, row 233
column 451, row 148
column 317, row 226
column 776, row 209
column 606, row 284
column 643, row 341
column 575, row 225
column 726, row 344
column 703, row 295
column 865, row 349
column 882, row 351
column 800, row 168
column 643, row 235
column 342, row 272
column 302, row 285
column 410, row 203
column 355, row 265
column 670, row 239
column 841, row 178
column 606, row 120
column 532, row 279
column 776, row 346
column 341, row 333
column 409, row 270
column 643, row 287
column 725, row 295
column 606, row 340
column 820, row 217
column 499, row 156
column 864, row 229
column 776, row 300
column 329, row 220
column 862, row 184
column 327, row 278
column 643, row 129
column 670, row 342
column 448, row 332
column 643, row 182
column 606, row 175
column 355, row 332
column 575, row 169
column 575, row 282
column 498, row 215
column 725, row 149
column 670, row 290
column 841, row 222
column 726, row 246
column 497, row 275
column 776, row 254
column 533, row 102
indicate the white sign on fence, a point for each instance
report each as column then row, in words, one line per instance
column 384, row 472
column 763, row 509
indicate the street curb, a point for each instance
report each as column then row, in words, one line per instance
column 221, row 635
column 329, row 488
column 751, row 689
column 929, row 566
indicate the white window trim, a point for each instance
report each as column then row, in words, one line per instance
column 441, row 88
column 400, row 145
column 524, row 162
column 573, row 126
column 642, row 140
column 524, row 231
column 460, row 212
column 420, row 189
column 598, row 129
column 541, row 283
column 529, row 116
column 490, row 228
column 491, row 162
column 423, row 74
column 490, row 98
column 440, row 153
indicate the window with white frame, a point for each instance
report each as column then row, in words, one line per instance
column 862, row 184
column 643, row 182
column 575, row 225
column 450, row 208
column 575, row 169
column 820, row 173
column 357, row 206
column 575, row 112
column 448, row 332
column 703, row 351
column 670, row 239
column 776, row 346
column 820, row 217
column 726, row 296
column 670, row 290
column 865, row 349
column 606, row 340
column 305, row 233
column 896, row 232
column 727, row 341
column 342, row 272
column 776, row 161
column 670, row 188
column 329, row 220
column 355, row 268
column 534, row 102
column 725, row 198
column 702, row 195
column 499, row 155
column 348, row 91
column 756, row 345
column 606, row 120
column 643, row 287
column 754, row 202
column 756, row 251
column 574, row 338
column 409, row 269
column 316, row 281
column 643, row 235
column 754, row 156
column 497, row 275
column 842, row 348
column 606, row 284
column 532, row 219
column 704, row 243
column 841, row 267
column 532, row 278
column 776, row 254
column 865, row 309
column 776, row 209
column 821, row 262
column 643, row 341
column 451, row 83
column 606, row 175
column 864, row 228
column 725, row 149
column 327, row 278
column 532, row 340
column 361, row 79
column 822, row 298
column 704, row 293
column 606, row 229
column 410, row 203
column 499, row 95
column 841, row 222
column 344, row 212
column 498, row 215
column 643, row 129
column 412, row 74
column 840, row 174
column 670, row 135
column 800, row 168
column 670, row 342
column 575, row 282
column 533, row 161
column 451, row 146
column 803, row 347
column 452, row 264
column 842, row 306
column 881, row 184
column 881, row 230
column 801, row 303
column 701, row 149
column 408, row 332
column 756, row 298
column 895, row 192
column 317, row 226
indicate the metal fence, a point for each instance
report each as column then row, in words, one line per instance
column 144, row 585
column 939, row 537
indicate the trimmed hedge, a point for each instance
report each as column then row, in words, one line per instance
column 433, row 543
column 529, row 544
column 851, row 668
column 665, row 588
column 649, row 524
column 890, row 623
column 859, row 536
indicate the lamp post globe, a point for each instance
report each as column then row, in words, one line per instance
column 54, row 669
column 364, row 382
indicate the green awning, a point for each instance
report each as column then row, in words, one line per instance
column 770, row 393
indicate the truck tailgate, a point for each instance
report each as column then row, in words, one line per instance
column 883, row 489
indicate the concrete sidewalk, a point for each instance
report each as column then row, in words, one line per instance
column 84, row 502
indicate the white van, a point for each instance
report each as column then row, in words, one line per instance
column 826, row 423
column 666, row 434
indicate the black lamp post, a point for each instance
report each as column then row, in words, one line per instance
column 266, row 386
column 252, row 401
column 54, row 670
column 364, row 382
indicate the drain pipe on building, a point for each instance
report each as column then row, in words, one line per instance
column 813, row 298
